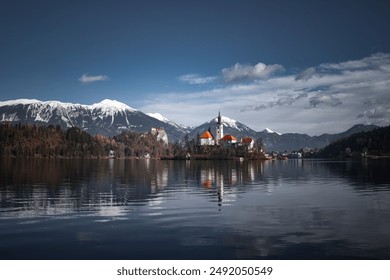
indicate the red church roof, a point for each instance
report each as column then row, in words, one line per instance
column 206, row 135
column 229, row 137
column 247, row 140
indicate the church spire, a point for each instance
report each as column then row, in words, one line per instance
column 219, row 129
column 219, row 118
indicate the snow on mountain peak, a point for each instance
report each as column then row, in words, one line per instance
column 159, row 117
column 271, row 131
column 230, row 122
column 19, row 101
column 105, row 105
column 227, row 122
column 111, row 105
column 57, row 104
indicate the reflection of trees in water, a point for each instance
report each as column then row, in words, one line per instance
column 74, row 184
column 308, row 219
column 50, row 185
column 364, row 173
column 62, row 186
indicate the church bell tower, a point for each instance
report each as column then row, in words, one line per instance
column 219, row 133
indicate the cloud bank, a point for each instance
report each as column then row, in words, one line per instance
column 327, row 98
column 87, row 79
column 196, row 79
column 240, row 72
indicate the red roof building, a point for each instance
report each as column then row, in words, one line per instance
column 228, row 141
column 207, row 138
column 248, row 142
column 229, row 137
column 206, row 135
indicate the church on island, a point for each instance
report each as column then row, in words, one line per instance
column 226, row 141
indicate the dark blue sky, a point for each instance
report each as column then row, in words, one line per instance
column 139, row 52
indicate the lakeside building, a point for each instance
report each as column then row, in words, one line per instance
column 207, row 139
column 225, row 141
column 248, row 142
column 228, row 141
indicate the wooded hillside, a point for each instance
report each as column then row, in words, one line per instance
column 27, row 141
column 371, row 143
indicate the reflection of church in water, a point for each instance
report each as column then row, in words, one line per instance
column 225, row 178
column 210, row 178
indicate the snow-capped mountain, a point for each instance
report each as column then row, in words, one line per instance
column 108, row 117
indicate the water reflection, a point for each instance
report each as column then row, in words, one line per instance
column 371, row 173
column 213, row 209
column 61, row 186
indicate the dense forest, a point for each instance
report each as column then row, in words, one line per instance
column 28, row 141
column 373, row 143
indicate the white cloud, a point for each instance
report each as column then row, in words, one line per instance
column 196, row 79
column 375, row 61
column 327, row 98
column 240, row 72
column 87, row 79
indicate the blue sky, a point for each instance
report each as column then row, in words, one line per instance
column 293, row 66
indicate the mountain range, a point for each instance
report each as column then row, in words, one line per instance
column 110, row 117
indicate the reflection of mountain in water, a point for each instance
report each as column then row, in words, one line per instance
column 73, row 184
column 49, row 186
column 199, row 209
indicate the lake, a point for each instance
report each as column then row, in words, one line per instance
column 156, row 209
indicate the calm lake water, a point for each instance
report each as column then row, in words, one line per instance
column 151, row 209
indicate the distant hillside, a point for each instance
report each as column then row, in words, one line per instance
column 372, row 143
column 296, row 141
